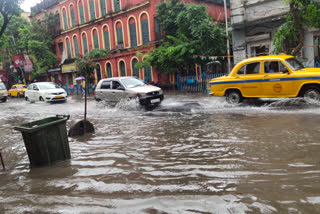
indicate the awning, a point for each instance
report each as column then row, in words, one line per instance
column 54, row 70
column 69, row 68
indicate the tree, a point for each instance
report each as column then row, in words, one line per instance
column 8, row 9
column 290, row 35
column 190, row 32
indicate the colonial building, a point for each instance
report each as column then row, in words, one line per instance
column 124, row 27
column 254, row 23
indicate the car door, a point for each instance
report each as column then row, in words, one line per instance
column 118, row 91
column 35, row 92
column 276, row 79
column 104, row 91
column 249, row 78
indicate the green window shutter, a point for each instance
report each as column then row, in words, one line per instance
column 98, row 73
column 69, row 50
column 103, row 7
column 81, row 15
column 65, row 20
column 157, row 29
column 116, row 5
column 119, row 35
column 95, row 41
column 106, row 40
column 92, row 12
column 123, row 69
column 73, row 18
column 135, row 70
column 147, row 74
column 133, row 35
column 109, row 70
column 145, row 31
column 85, row 46
column 76, row 47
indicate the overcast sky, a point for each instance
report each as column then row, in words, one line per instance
column 27, row 4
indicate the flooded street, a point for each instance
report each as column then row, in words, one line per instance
column 193, row 154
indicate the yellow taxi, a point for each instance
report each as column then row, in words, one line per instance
column 17, row 90
column 268, row 76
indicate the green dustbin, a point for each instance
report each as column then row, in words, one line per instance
column 46, row 140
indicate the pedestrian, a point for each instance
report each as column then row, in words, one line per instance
column 83, row 84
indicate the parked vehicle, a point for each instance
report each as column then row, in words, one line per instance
column 17, row 90
column 3, row 92
column 268, row 76
column 45, row 91
column 117, row 88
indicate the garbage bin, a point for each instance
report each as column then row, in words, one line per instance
column 46, row 140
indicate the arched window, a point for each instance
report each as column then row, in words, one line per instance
column 68, row 48
column 76, row 46
column 65, row 19
column 135, row 70
column 122, row 69
column 84, row 44
column 145, row 29
column 81, row 12
column 73, row 17
column 92, row 10
column 133, row 32
column 98, row 71
column 95, row 38
column 119, row 33
column 106, row 38
column 109, row 70
column 116, row 4
column 103, row 7
column 147, row 74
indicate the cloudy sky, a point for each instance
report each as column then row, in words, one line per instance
column 27, row 4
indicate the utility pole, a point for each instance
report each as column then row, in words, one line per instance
column 228, row 45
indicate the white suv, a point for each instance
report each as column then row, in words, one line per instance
column 117, row 88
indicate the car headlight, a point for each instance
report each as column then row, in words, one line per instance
column 160, row 92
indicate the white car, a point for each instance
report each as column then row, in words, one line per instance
column 3, row 92
column 45, row 91
column 117, row 88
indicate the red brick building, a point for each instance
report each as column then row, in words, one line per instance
column 122, row 26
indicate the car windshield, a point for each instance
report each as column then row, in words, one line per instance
column 294, row 64
column 21, row 87
column 44, row 86
column 132, row 82
column 2, row 86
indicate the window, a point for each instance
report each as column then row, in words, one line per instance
column 65, row 20
column 98, row 70
column 81, row 12
column 84, row 44
column 133, row 34
column 106, row 85
column 157, row 29
column 122, row 69
column 73, row 17
column 103, row 7
column 116, row 85
column 92, row 10
column 250, row 68
column 135, row 70
column 272, row 66
column 109, row 70
column 116, row 5
column 106, row 38
column 95, row 39
column 147, row 74
column 145, row 29
column 119, row 33
column 68, row 48
column 76, row 46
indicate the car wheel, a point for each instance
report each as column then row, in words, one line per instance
column 41, row 99
column 19, row 95
column 4, row 99
column 311, row 93
column 26, row 98
column 234, row 97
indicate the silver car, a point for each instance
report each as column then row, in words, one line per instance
column 3, row 92
column 118, row 88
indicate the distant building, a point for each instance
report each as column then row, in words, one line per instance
column 254, row 23
column 122, row 26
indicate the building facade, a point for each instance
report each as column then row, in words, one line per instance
column 124, row 27
column 254, row 24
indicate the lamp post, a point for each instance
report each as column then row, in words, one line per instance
column 228, row 45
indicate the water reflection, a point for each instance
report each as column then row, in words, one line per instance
column 191, row 155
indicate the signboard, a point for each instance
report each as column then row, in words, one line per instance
column 239, row 54
column 4, row 76
column 69, row 68
column 28, row 67
column 18, row 60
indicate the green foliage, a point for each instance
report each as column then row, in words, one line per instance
column 8, row 9
column 97, row 53
column 189, row 31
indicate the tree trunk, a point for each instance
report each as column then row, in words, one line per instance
column 297, row 23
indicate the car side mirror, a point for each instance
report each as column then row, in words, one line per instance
column 285, row 71
column 120, row 88
column 36, row 89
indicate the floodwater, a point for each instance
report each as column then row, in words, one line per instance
column 193, row 154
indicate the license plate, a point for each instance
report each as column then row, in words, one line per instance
column 58, row 96
column 155, row 100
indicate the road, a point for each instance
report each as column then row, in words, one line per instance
column 193, row 154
